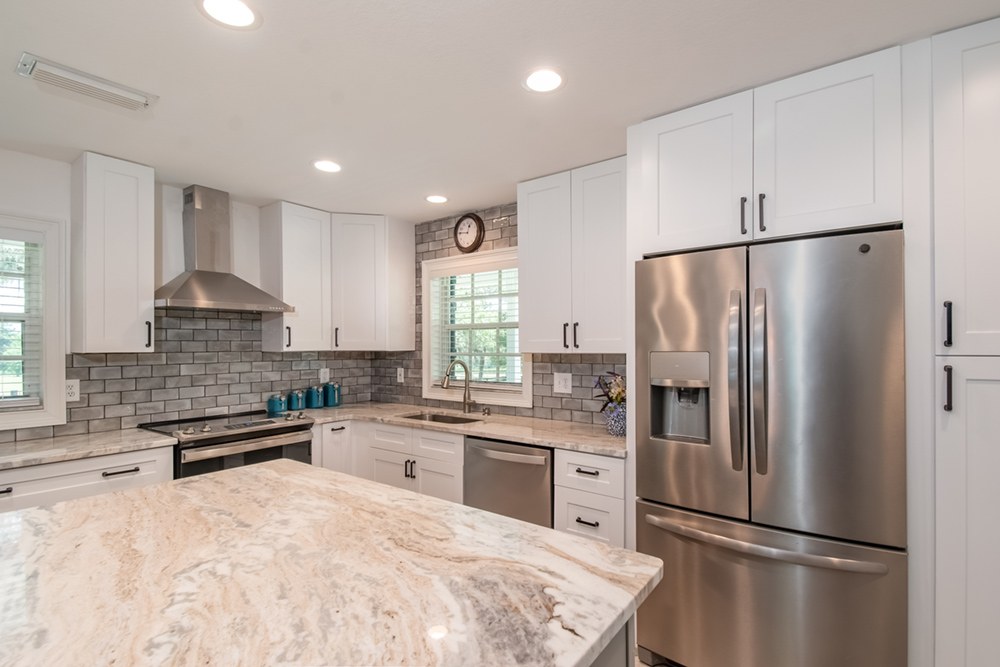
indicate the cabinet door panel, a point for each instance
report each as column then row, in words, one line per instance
column 337, row 453
column 112, row 255
column 544, row 263
column 359, row 281
column 828, row 148
column 599, row 258
column 306, row 276
column 968, row 512
column 438, row 479
column 389, row 467
column 697, row 165
column 966, row 174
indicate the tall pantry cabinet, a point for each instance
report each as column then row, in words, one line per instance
column 966, row 106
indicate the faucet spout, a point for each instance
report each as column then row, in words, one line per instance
column 468, row 405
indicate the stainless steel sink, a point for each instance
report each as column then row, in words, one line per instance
column 444, row 419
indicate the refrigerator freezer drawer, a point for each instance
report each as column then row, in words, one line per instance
column 738, row 594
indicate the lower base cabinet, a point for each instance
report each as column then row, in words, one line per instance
column 332, row 447
column 68, row 480
column 589, row 496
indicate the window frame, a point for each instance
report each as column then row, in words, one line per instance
column 52, row 411
column 431, row 387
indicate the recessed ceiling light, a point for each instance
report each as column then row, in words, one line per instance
column 543, row 80
column 437, row 199
column 230, row 13
column 326, row 165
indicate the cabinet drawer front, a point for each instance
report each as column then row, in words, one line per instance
column 588, row 472
column 448, row 447
column 590, row 515
column 393, row 438
column 67, row 480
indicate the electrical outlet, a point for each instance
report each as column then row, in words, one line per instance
column 399, row 375
column 563, row 383
column 72, row 391
column 324, row 375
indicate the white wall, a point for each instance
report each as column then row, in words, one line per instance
column 246, row 242
column 169, row 231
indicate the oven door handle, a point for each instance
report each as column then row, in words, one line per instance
column 208, row 452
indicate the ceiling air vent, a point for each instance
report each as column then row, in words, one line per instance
column 53, row 74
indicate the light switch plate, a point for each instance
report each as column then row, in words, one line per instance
column 563, row 383
column 399, row 375
column 324, row 375
column 72, row 391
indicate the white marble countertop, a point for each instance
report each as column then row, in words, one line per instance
column 70, row 447
column 591, row 438
column 286, row 564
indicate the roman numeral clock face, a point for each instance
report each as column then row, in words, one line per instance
column 469, row 232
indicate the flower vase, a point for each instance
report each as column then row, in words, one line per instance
column 615, row 415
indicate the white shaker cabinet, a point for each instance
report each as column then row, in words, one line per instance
column 295, row 266
column 816, row 152
column 571, row 260
column 112, row 253
column 332, row 447
column 374, row 278
column 966, row 175
column 697, row 176
column 967, row 599
column 428, row 462
column 828, row 148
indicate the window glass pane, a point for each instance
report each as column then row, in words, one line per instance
column 509, row 281
column 20, row 323
column 484, row 340
column 461, row 312
column 508, row 309
column 459, row 341
column 487, row 283
column 487, row 311
column 460, row 286
column 507, row 341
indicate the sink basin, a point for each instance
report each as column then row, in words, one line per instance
column 444, row 419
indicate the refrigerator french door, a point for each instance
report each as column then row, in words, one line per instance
column 771, row 423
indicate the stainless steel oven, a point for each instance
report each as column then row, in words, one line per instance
column 219, row 443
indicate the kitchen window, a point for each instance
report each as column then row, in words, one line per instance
column 470, row 314
column 32, row 370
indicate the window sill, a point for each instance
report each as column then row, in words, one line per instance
column 521, row 399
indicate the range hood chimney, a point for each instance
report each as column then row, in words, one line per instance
column 207, row 281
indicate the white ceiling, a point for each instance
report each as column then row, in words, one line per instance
column 411, row 98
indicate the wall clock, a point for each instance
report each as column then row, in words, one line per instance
column 469, row 232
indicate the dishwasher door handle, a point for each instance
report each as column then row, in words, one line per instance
column 511, row 458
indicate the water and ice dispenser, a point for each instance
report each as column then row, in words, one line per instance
column 679, row 395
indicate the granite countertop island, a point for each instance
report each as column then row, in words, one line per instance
column 285, row 564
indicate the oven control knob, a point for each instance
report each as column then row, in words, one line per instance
column 289, row 417
column 302, row 415
column 206, row 429
column 188, row 431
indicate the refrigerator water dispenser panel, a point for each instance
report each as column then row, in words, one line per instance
column 679, row 396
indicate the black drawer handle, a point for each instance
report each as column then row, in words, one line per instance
column 119, row 472
column 336, row 337
column 337, row 428
column 760, row 204
column 947, row 323
column 289, row 330
column 149, row 334
column 595, row 524
column 743, row 215
column 9, row 489
column 947, row 389
column 565, row 329
column 593, row 473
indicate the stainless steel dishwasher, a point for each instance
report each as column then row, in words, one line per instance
column 512, row 480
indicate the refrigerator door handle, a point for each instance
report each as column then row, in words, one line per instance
column 773, row 553
column 760, row 379
column 736, row 378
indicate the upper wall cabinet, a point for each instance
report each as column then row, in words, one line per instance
column 295, row 266
column 819, row 151
column 374, row 282
column 966, row 175
column 112, row 256
column 571, row 260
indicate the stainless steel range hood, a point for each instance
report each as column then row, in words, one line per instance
column 208, row 281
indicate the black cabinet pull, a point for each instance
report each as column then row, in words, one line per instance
column 947, row 388
column 9, row 489
column 947, row 323
column 338, row 428
column 289, row 330
column 119, row 472
column 593, row 473
column 595, row 524
column 743, row 215
column 760, row 205
column 406, row 468
column 565, row 329
column 336, row 337
column 149, row 334
column 576, row 325
column 413, row 469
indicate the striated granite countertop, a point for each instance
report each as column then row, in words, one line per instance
column 285, row 564
column 69, row 447
column 591, row 438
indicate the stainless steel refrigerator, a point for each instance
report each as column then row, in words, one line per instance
column 771, row 453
